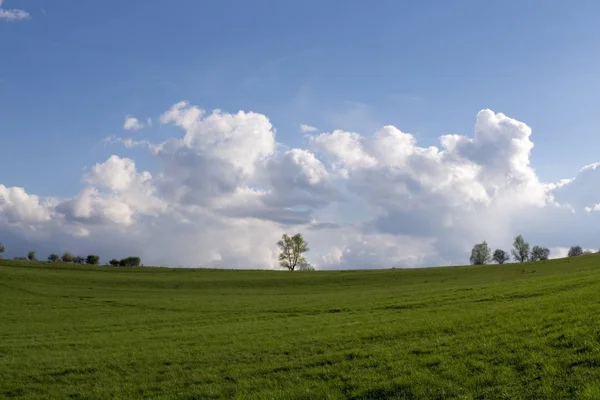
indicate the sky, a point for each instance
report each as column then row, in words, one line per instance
column 390, row 134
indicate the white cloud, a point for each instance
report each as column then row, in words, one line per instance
column 116, row 174
column 12, row 14
column 242, row 140
column 127, row 142
column 304, row 128
column 19, row 207
column 223, row 191
column 132, row 124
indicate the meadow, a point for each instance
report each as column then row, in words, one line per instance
column 517, row 331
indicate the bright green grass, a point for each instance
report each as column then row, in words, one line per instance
column 511, row 332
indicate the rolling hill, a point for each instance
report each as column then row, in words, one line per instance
column 517, row 331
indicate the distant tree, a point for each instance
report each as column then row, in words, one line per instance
column 53, row 257
column 520, row 249
column 480, row 254
column 79, row 260
column 292, row 248
column 130, row 262
column 304, row 266
column 1, row 249
column 114, row 262
column 67, row 257
column 92, row 259
column 31, row 256
column 575, row 251
column 500, row 256
column 539, row 253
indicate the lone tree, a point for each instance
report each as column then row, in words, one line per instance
column 539, row 253
column 53, row 257
column 521, row 249
column 291, row 252
column 500, row 256
column 1, row 249
column 92, row 259
column 31, row 256
column 480, row 254
column 575, row 251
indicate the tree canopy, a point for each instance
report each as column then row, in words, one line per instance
column 520, row 249
column 292, row 248
column 539, row 253
column 500, row 256
column 575, row 251
column 480, row 254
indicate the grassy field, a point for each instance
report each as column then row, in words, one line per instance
column 494, row 332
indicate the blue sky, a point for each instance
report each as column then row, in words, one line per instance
column 73, row 70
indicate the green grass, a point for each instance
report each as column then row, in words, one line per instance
column 493, row 332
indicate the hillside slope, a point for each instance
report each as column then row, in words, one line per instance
column 492, row 332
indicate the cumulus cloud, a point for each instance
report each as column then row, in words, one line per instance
column 12, row 14
column 223, row 191
column 19, row 207
column 132, row 124
column 305, row 128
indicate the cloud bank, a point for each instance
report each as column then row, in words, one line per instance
column 224, row 190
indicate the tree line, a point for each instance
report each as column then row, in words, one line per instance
column 481, row 253
column 91, row 259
